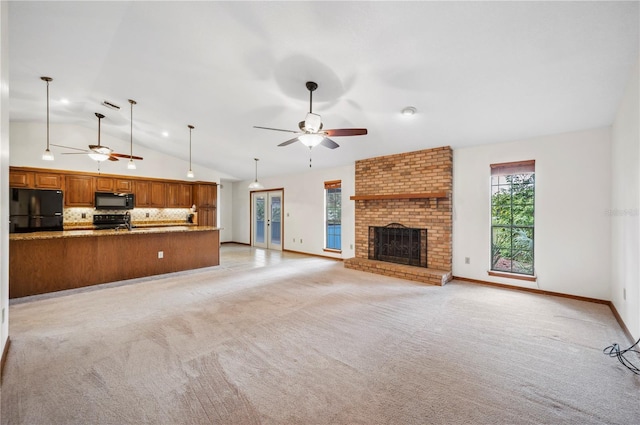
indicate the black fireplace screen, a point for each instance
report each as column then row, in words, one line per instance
column 396, row 243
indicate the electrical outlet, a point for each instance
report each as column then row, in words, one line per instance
column 624, row 294
column 351, row 246
column 300, row 240
column 3, row 315
column 467, row 260
column 294, row 239
column 160, row 254
column 147, row 215
column 84, row 215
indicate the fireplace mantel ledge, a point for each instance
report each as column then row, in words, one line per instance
column 424, row 195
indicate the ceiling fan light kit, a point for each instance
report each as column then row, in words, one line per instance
column 47, row 155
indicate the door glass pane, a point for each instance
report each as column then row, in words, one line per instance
column 276, row 213
column 260, row 222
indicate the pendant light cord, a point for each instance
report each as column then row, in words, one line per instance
column 47, row 114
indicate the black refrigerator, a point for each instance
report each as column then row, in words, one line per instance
column 35, row 210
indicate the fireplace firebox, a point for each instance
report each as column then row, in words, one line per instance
column 396, row 243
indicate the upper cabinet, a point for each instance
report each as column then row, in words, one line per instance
column 206, row 195
column 79, row 191
column 178, row 195
column 79, row 188
column 35, row 180
column 110, row 184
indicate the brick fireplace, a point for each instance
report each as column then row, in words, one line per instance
column 412, row 190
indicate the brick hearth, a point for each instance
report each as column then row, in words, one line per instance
column 413, row 189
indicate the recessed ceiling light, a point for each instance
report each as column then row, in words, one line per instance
column 165, row 134
column 409, row 110
column 64, row 101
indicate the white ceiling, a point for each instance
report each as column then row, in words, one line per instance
column 477, row 72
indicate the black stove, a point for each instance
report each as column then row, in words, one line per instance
column 110, row 221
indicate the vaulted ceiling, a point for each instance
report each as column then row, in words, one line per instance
column 476, row 72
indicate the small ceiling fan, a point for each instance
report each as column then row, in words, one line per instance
column 98, row 152
column 311, row 133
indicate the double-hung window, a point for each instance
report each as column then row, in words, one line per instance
column 512, row 217
column 333, row 215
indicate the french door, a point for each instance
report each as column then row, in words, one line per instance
column 266, row 219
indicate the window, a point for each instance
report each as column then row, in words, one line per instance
column 512, row 213
column 333, row 215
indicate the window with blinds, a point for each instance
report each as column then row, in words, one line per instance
column 333, row 215
column 512, row 217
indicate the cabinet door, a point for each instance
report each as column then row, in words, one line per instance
column 178, row 195
column 206, row 195
column 123, row 185
column 79, row 191
column 143, row 193
column 20, row 178
column 207, row 217
column 48, row 181
column 104, row 184
column 158, row 194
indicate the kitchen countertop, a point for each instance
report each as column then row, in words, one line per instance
column 108, row 232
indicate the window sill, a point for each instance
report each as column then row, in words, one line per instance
column 513, row 276
column 337, row 251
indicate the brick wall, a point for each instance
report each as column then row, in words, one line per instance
column 429, row 170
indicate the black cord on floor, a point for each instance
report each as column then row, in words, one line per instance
column 614, row 351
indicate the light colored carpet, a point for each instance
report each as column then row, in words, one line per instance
column 290, row 339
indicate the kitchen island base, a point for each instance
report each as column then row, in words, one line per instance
column 40, row 264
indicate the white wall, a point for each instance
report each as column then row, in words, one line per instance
column 625, row 206
column 303, row 210
column 572, row 229
column 4, row 173
column 225, row 210
column 28, row 141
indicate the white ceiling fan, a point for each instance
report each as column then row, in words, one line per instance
column 311, row 133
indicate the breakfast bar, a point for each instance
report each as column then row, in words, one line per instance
column 43, row 262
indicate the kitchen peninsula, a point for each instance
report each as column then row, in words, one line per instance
column 43, row 262
column 168, row 235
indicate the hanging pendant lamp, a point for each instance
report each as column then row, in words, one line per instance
column 190, row 172
column 256, row 185
column 131, row 165
column 47, row 155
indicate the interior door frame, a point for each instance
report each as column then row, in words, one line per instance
column 251, row 193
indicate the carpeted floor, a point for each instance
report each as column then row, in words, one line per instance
column 270, row 338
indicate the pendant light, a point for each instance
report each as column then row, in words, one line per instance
column 99, row 153
column 131, row 165
column 256, row 185
column 190, row 173
column 47, row 155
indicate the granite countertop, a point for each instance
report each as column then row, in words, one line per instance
column 137, row 230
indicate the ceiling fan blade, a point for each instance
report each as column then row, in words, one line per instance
column 276, row 129
column 346, row 132
column 69, row 147
column 121, row 155
column 288, row 142
column 328, row 143
column 113, row 158
column 74, row 153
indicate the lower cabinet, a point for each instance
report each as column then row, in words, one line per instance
column 207, row 217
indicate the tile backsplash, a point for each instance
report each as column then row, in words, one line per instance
column 75, row 215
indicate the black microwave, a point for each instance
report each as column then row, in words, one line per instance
column 114, row 201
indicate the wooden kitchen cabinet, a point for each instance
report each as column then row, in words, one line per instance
column 158, row 198
column 34, row 180
column 109, row 184
column 178, row 195
column 19, row 178
column 142, row 193
column 79, row 191
column 206, row 195
column 207, row 217
column 48, row 181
